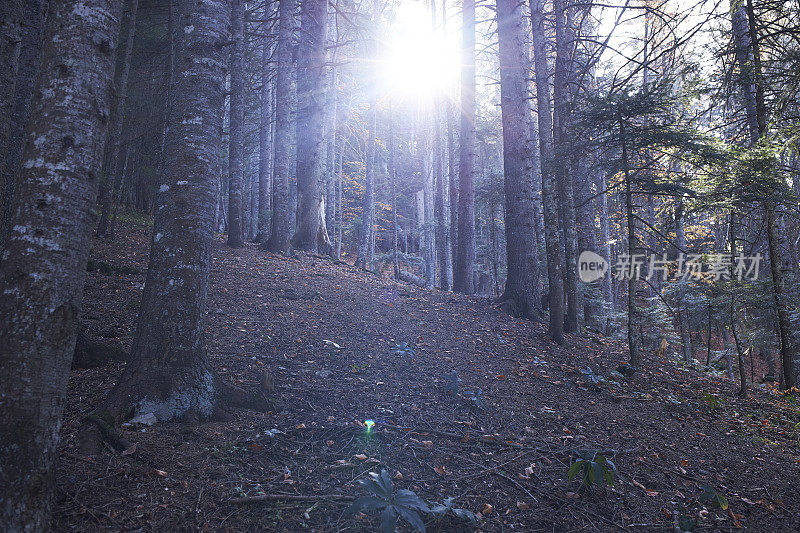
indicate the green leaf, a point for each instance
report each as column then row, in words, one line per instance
column 572, row 473
column 388, row 520
column 412, row 517
column 723, row 503
column 365, row 503
column 407, row 498
column 466, row 515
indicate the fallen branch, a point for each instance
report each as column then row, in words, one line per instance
column 292, row 498
column 487, row 439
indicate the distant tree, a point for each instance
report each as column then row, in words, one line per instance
column 236, row 137
column 44, row 262
column 265, row 127
column 113, row 163
column 366, row 246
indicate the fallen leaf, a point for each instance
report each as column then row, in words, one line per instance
column 440, row 470
column 522, row 506
column 160, row 472
column 360, row 457
column 130, row 450
column 487, row 509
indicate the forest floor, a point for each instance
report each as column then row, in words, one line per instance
column 679, row 438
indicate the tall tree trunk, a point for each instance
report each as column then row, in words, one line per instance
column 112, row 163
column 312, row 234
column 465, row 255
column 442, row 234
column 264, row 131
column 43, row 270
column 393, row 184
column 11, row 18
column 522, row 284
column 733, row 319
column 633, row 250
column 168, row 372
column 549, row 190
column 452, row 177
column 680, row 308
column 746, row 52
column 236, row 137
column 366, row 250
column 561, row 106
column 279, row 238
column 605, row 245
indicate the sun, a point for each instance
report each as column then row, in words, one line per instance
column 418, row 60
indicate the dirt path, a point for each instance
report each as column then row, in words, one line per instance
column 670, row 433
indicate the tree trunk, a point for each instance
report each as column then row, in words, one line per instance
column 549, row 190
column 42, row 274
column 465, row 255
column 311, row 235
column 442, row 234
column 745, row 49
column 452, row 177
column 236, row 137
column 366, row 250
column 279, row 238
column 11, row 18
column 112, row 163
column 168, row 373
column 561, row 106
column 522, row 284
column 680, row 308
column 633, row 250
column 393, row 184
column 605, row 238
column 264, row 131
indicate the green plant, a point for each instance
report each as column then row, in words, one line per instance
column 403, row 350
column 477, row 399
column 440, row 510
column 713, row 401
column 591, row 376
column 393, row 505
column 593, row 467
column 452, row 381
column 356, row 367
column 710, row 495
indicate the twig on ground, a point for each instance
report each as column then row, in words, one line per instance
column 292, row 498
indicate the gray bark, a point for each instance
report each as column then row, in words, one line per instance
column 563, row 155
column 44, row 262
column 522, row 284
column 312, row 234
column 112, row 163
column 236, row 137
column 549, row 190
column 264, row 131
column 683, row 319
column 465, row 254
column 366, row 248
column 168, row 373
column 279, row 238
